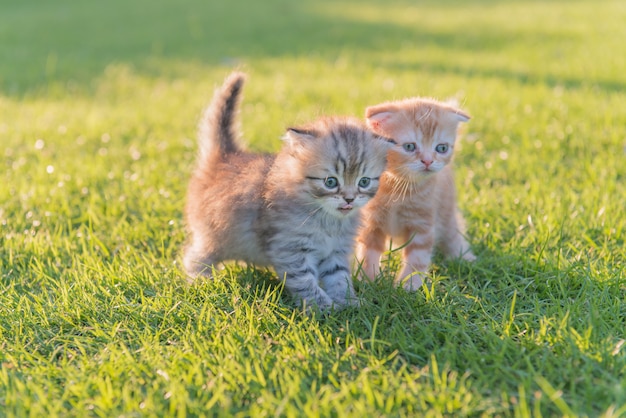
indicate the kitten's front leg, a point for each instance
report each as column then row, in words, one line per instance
column 299, row 270
column 416, row 261
column 335, row 278
column 302, row 285
column 368, row 262
column 370, row 247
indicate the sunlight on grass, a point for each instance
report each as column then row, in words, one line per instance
column 99, row 104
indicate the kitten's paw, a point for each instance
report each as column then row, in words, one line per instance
column 413, row 282
column 343, row 304
column 198, row 271
column 349, row 302
column 368, row 275
column 320, row 302
column 469, row 256
column 197, row 265
column 363, row 277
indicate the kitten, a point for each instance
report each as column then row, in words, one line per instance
column 297, row 211
column 415, row 206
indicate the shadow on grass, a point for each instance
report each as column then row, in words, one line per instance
column 519, row 77
column 71, row 43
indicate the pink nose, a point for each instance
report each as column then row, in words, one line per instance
column 427, row 163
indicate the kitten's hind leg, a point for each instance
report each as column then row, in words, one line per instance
column 198, row 262
column 463, row 249
column 457, row 247
column 450, row 238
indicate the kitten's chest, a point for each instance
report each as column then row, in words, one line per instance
column 330, row 237
column 398, row 214
column 392, row 223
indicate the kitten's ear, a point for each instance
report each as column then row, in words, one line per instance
column 386, row 141
column 454, row 104
column 380, row 118
column 303, row 133
column 461, row 116
column 298, row 136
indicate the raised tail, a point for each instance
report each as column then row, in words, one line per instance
column 217, row 131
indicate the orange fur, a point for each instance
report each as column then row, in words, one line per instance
column 415, row 206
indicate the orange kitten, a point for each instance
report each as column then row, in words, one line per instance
column 415, row 206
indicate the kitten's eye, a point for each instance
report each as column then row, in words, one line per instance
column 441, row 148
column 364, row 182
column 331, row 182
column 410, row 147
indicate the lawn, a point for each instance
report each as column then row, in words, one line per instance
column 98, row 107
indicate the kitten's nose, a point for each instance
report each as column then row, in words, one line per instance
column 348, row 199
column 427, row 163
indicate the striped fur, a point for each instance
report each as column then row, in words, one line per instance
column 216, row 131
column 415, row 206
column 278, row 210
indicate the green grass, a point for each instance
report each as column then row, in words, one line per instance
column 98, row 107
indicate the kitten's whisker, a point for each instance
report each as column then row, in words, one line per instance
column 398, row 189
column 405, row 189
column 310, row 215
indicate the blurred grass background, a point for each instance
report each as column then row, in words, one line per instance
column 98, row 107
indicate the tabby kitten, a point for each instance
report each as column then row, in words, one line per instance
column 415, row 206
column 297, row 211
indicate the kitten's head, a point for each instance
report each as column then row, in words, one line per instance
column 424, row 130
column 336, row 162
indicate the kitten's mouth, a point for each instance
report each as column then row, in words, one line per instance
column 428, row 170
column 345, row 208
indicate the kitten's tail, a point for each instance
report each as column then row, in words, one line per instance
column 217, row 131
